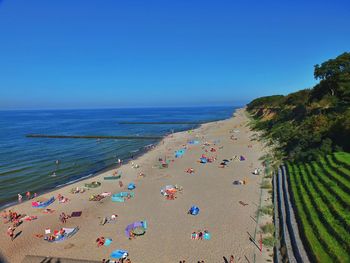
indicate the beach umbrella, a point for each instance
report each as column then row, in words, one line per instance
column 119, row 254
column 131, row 186
column 207, row 236
column 131, row 227
column 194, row 210
column 138, row 231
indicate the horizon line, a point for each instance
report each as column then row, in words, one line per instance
column 126, row 107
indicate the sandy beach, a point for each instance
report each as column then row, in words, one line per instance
column 168, row 236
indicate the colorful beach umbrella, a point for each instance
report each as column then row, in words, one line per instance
column 138, row 231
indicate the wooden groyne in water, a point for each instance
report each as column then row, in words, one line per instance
column 94, row 137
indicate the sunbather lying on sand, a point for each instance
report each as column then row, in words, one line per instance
column 48, row 211
column 62, row 199
column 77, row 190
column 109, row 219
column 190, row 170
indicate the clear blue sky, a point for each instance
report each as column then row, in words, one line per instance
column 114, row 53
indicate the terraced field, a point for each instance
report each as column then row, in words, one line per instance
column 321, row 195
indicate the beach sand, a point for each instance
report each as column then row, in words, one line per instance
column 168, row 237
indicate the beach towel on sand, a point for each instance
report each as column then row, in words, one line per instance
column 76, row 214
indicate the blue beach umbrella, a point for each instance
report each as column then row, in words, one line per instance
column 131, row 186
column 119, row 254
column 207, row 236
column 194, row 210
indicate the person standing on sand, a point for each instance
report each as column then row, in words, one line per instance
column 19, row 198
column 232, row 259
column 11, row 232
column 28, row 195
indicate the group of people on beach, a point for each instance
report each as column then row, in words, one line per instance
column 13, row 218
column 28, row 196
column 121, row 260
column 59, row 233
column 198, row 235
column 63, row 217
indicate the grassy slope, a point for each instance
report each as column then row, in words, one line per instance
column 322, row 198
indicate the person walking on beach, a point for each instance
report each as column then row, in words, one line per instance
column 232, row 259
column 63, row 217
column 19, row 198
column 28, row 195
column 11, row 232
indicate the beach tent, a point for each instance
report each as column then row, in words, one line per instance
column 194, row 210
column 68, row 232
column 120, row 197
column 179, row 153
column 137, row 228
column 119, row 254
column 43, row 204
column 241, row 158
column 131, row 186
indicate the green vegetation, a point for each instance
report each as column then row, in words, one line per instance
column 322, row 200
column 310, row 130
column 268, row 241
column 266, row 185
column 269, row 228
column 312, row 122
column 266, row 210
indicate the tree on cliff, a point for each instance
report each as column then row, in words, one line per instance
column 334, row 76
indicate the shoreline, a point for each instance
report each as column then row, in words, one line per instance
column 148, row 203
column 140, row 152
